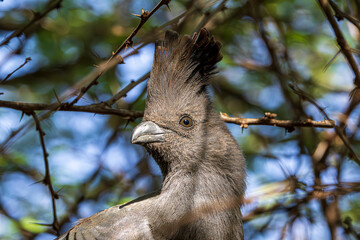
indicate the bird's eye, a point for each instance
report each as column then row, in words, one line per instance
column 186, row 121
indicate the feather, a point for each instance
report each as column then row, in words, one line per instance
column 189, row 61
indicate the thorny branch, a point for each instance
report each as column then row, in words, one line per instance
column 54, row 5
column 86, row 79
column 115, row 57
column 47, row 178
column 276, row 66
column 93, row 108
column 99, row 108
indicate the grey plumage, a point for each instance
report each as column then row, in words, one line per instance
column 203, row 167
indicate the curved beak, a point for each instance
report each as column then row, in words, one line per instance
column 148, row 132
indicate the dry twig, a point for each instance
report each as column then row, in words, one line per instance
column 94, row 108
column 270, row 121
column 47, row 178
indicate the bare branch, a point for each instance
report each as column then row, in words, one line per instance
column 270, row 121
column 47, row 178
column 55, row 5
column 94, row 108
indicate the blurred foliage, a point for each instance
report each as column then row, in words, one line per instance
column 94, row 166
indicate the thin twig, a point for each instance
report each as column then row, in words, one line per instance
column 47, row 178
column 126, row 89
column 55, row 5
column 28, row 59
column 129, row 114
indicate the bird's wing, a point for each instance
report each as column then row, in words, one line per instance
column 128, row 221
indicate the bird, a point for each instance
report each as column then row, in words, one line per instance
column 203, row 168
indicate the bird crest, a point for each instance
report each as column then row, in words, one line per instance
column 184, row 62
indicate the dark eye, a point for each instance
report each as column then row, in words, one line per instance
column 186, row 121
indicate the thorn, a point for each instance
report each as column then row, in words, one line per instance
column 57, row 97
column 126, row 124
column 331, row 60
column 56, row 196
column 224, row 114
column 128, row 43
column 167, row 5
column 166, row 2
column 58, row 191
column 144, row 14
column 120, row 59
column 40, row 181
column 136, row 15
column 44, row 224
column 45, row 181
column 22, row 115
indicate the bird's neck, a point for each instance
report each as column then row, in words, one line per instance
column 203, row 181
column 200, row 200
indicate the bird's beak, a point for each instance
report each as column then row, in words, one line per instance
column 148, row 132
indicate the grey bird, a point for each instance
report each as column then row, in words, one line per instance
column 202, row 165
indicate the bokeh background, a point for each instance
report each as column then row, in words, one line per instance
column 279, row 56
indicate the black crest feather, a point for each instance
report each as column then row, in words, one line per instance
column 186, row 60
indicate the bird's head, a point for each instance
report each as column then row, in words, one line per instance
column 179, row 115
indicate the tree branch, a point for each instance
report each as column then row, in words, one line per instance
column 269, row 120
column 94, row 108
column 340, row 15
column 345, row 49
column 99, row 108
column 47, row 178
column 55, row 5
